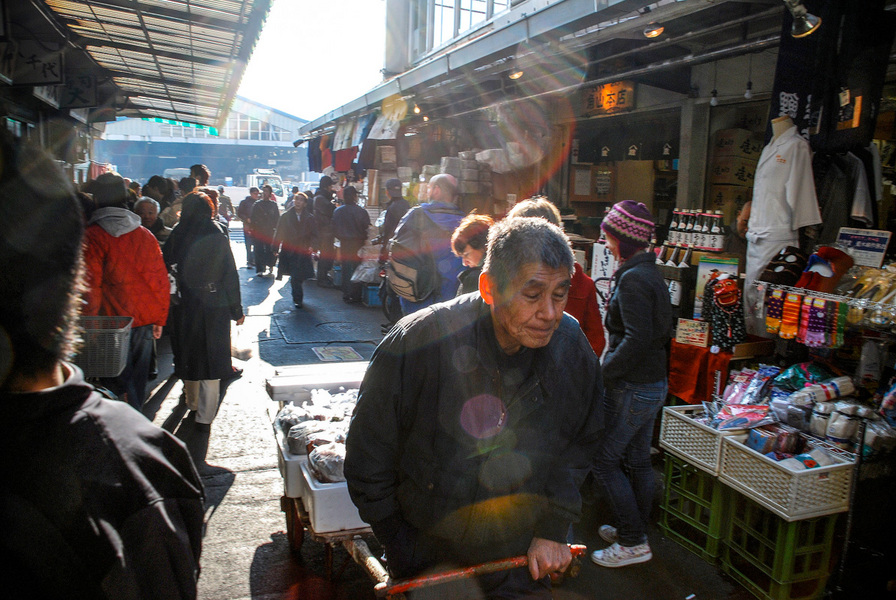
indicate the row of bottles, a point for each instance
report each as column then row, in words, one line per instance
column 678, row 257
column 700, row 229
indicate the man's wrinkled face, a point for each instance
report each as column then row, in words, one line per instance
column 147, row 213
column 529, row 311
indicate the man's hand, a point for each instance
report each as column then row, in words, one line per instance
column 241, row 320
column 156, row 331
column 546, row 557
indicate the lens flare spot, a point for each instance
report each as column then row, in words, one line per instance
column 483, row 416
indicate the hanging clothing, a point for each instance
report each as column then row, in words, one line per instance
column 783, row 201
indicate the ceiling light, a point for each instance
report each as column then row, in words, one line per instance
column 714, row 100
column 748, row 93
column 416, row 109
column 515, row 75
column 804, row 23
column 653, row 30
column 425, row 118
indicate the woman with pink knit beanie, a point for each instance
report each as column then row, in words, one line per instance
column 638, row 326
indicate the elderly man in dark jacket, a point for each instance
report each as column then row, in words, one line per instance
column 350, row 223
column 293, row 242
column 471, row 433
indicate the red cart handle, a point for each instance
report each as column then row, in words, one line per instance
column 406, row 585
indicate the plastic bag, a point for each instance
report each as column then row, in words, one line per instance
column 759, row 385
column 240, row 344
column 738, row 384
column 798, row 376
column 290, row 415
column 366, row 272
column 739, row 416
column 301, row 434
column 327, row 462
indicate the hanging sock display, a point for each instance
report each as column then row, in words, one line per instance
column 804, row 320
column 815, row 329
column 774, row 304
column 790, row 316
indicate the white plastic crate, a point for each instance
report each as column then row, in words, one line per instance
column 290, row 469
column 694, row 442
column 329, row 506
column 792, row 495
column 106, row 344
column 294, row 384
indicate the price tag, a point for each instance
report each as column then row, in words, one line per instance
column 844, row 96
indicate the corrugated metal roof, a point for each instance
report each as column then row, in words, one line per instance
column 172, row 59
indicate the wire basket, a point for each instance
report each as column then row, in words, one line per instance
column 107, row 340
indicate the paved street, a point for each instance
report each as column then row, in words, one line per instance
column 245, row 551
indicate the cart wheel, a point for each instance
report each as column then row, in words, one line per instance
column 295, row 530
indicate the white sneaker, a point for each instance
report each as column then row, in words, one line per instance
column 608, row 533
column 620, row 556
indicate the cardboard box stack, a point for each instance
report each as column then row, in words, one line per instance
column 735, row 153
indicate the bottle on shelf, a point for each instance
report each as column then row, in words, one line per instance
column 705, row 227
column 675, row 292
column 697, row 237
column 673, row 225
column 662, row 254
column 673, row 259
column 715, row 232
column 685, row 261
column 652, row 246
column 688, row 230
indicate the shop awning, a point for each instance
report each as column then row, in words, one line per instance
column 604, row 39
column 172, row 59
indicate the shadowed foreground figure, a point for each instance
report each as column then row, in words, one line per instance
column 96, row 501
column 470, row 437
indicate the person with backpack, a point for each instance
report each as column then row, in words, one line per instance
column 422, row 268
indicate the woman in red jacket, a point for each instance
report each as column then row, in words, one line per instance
column 582, row 302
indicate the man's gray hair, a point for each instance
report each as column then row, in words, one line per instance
column 537, row 206
column 516, row 242
column 145, row 199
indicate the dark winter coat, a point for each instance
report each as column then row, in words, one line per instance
column 350, row 222
column 323, row 213
column 209, row 298
column 638, row 323
column 97, row 501
column 265, row 215
column 294, row 240
column 435, row 443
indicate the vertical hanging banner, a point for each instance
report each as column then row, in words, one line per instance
column 79, row 90
column 799, row 87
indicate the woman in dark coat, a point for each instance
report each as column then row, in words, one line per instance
column 198, row 256
column 294, row 241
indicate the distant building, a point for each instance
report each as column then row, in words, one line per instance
column 255, row 136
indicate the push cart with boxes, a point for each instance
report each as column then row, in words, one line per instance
column 325, row 510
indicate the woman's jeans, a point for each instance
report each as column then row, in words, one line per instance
column 622, row 467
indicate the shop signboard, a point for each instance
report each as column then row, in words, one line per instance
column 37, row 65
column 692, row 333
column 608, row 98
column 867, row 246
column 79, row 90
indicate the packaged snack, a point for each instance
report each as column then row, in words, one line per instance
column 738, row 385
column 759, row 384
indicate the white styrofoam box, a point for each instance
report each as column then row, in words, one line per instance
column 329, row 506
column 290, row 470
column 294, row 384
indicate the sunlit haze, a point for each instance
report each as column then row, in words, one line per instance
column 315, row 55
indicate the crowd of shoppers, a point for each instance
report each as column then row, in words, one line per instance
column 160, row 254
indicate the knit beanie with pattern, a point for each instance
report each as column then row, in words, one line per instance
column 631, row 224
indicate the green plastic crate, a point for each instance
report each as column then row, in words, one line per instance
column 693, row 506
column 782, row 550
column 760, row 584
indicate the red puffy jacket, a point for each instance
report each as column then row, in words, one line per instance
column 126, row 275
column 582, row 304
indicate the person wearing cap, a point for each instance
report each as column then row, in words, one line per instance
column 395, row 210
column 639, row 327
column 323, row 208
